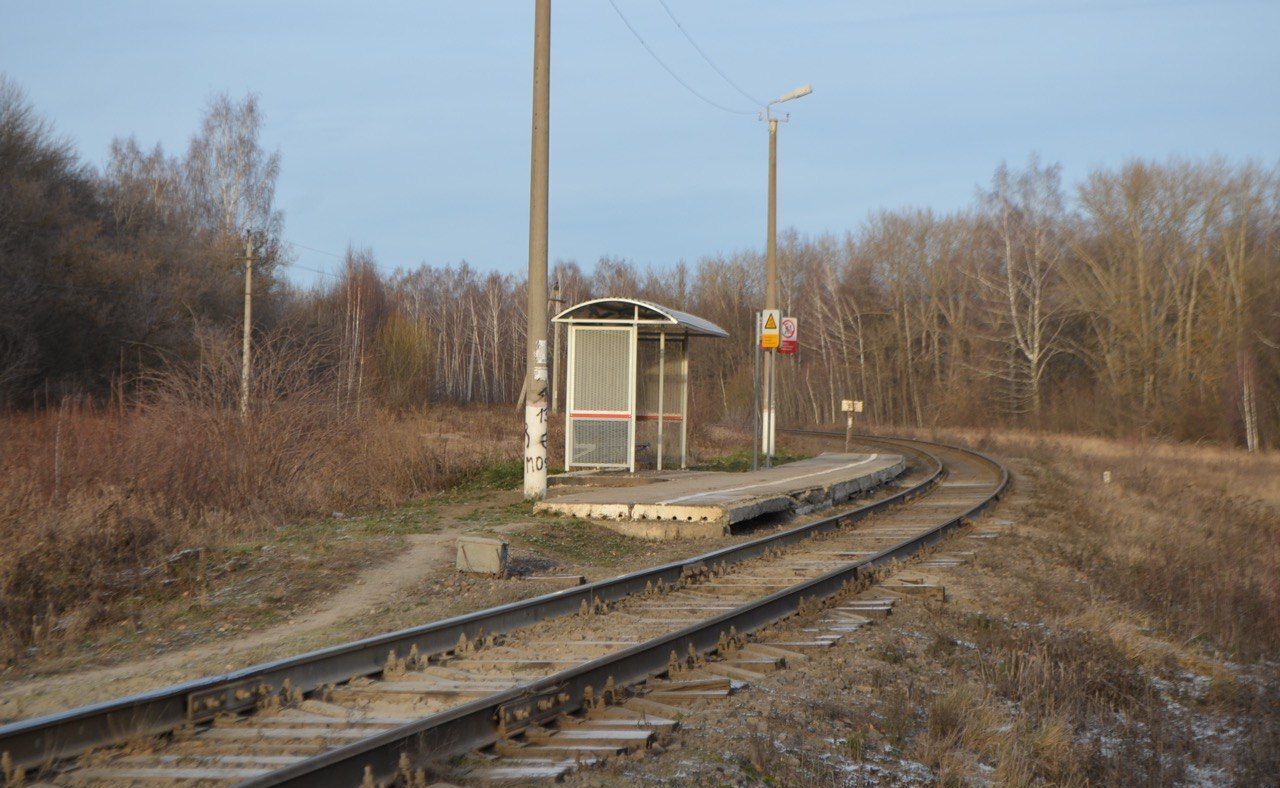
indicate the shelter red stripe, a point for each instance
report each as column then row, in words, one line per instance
column 599, row 414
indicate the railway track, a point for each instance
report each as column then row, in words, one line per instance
column 515, row 678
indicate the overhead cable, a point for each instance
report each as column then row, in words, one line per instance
column 714, row 67
column 670, row 70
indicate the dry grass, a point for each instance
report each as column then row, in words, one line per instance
column 1122, row 635
column 1048, row 704
column 1168, row 571
column 107, row 510
column 1196, row 547
column 1134, row 587
column 1189, row 534
column 101, row 502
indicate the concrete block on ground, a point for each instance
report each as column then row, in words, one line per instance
column 482, row 554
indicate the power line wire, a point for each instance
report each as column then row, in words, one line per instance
column 382, row 269
column 312, row 270
column 149, row 291
column 668, row 69
column 317, row 251
column 714, row 67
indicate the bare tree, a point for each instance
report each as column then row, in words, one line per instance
column 1145, row 299
column 1026, row 215
column 231, row 176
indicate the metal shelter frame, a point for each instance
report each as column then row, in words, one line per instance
column 628, row 365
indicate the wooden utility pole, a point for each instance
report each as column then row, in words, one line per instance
column 246, row 364
column 535, row 403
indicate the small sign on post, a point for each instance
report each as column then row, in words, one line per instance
column 849, row 407
column 789, row 342
column 770, row 328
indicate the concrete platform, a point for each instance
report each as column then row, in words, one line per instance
column 693, row 504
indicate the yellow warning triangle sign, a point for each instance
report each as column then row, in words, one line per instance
column 769, row 323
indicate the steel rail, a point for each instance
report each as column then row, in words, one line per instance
column 50, row 738
column 480, row 723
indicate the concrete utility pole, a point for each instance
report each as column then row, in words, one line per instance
column 771, row 234
column 535, row 404
column 768, row 427
column 768, row 431
column 246, row 364
column 557, row 304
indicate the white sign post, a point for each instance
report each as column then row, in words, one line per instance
column 850, row 407
column 770, row 339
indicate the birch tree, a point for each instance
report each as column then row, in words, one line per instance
column 1026, row 216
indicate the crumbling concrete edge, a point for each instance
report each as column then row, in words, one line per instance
column 815, row 498
column 714, row 520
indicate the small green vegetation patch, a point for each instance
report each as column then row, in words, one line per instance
column 410, row 518
column 741, row 461
column 505, row 474
column 582, row 542
column 496, row 475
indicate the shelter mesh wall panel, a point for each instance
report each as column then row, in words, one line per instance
column 600, row 441
column 674, row 404
column 674, row 379
column 647, row 356
column 601, row 382
column 600, row 375
column 647, row 378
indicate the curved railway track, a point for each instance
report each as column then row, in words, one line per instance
column 379, row 708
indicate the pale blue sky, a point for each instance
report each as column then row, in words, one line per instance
column 404, row 126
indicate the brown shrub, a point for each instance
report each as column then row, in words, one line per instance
column 98, row 502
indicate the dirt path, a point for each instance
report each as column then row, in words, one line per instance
column 425, row 554
column 418, row 584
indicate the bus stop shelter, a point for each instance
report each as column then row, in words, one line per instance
column 627, row 390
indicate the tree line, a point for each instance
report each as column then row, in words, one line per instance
column 1143, row 299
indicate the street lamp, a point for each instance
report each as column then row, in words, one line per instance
column 769, row 427
column 799, row 92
